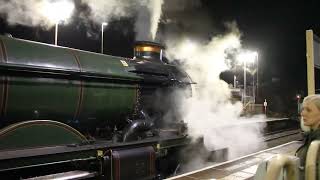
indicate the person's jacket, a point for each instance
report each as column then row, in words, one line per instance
column 302, row 151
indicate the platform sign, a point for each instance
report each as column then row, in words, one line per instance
column 313, row 61
column 265, row 104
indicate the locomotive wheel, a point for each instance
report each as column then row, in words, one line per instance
column 39, row 133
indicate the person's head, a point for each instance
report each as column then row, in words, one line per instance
column 311, row 111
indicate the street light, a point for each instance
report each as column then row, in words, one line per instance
column 246, row 57
column 56, row 34
column 102, row 25
column 257, row 61
column 254, row 57
column 57, row 12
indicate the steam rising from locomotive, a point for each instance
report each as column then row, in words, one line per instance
column 45, row 13
column 209, row 112
column 37, row 13
column 147, row 14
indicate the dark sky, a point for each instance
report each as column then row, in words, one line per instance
column 276, row 29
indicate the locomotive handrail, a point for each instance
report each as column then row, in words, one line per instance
column 149, row 73
column 311, row 160
column 279, row 162
column 59, row 71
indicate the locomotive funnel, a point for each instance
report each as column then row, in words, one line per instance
column 146, row 50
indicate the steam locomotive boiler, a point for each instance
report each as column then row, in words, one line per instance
column 67, row 113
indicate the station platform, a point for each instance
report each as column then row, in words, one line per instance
column 241, row 168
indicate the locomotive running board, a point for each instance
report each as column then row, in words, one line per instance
column 67, row 175
column 23, row 153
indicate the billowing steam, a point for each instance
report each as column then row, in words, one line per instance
column 148, row 20
column 36, row 12
column 147, row 13
column 210, row 111
column 105, row 11
column 155, row 17
column 46, row 13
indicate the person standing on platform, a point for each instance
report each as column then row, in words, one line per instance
column 310, row 124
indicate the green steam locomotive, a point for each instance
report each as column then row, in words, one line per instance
column 67, row 113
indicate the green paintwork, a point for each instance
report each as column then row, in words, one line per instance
column 104, row 64
column 57, row 99
column 41, row 98
column 39, row 133
column 22, row 52
column 109, row 102
column 37, row 54
column 81, row 102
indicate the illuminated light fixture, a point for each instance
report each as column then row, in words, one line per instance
column 102, row 28
column 57, row 11
column 244, row 58
column 247, row 57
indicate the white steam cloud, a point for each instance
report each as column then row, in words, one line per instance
column 156, row 9
column 43, row 13
column 209, row 111
column 147, row 13
column 36, row 12
column 148, row 20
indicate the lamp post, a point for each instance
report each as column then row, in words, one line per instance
column 257, row 61
column 56, row 35
column 102, row 25
column 255, row 85
column 298, row 96
column 56, row 12
column 246, row 57
column 244, row 80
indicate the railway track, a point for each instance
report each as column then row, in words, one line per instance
column 276, row 132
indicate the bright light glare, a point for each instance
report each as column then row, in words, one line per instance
column 189, row 47
column 104, row 24
column 186, row 49
column 248, row 57
column 58, row 10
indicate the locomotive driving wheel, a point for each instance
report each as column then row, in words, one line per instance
column 39, row 133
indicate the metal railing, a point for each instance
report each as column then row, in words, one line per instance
column 285, row 162
column 311, row 160
column 290, row 164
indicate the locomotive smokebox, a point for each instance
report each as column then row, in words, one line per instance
column 150, row 51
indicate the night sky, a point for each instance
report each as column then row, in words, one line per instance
column 275, row 29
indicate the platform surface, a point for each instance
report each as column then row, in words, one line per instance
column 240, row 168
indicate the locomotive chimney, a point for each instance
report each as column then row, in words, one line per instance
column 150, row 51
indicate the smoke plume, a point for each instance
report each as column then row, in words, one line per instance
column 146, row 12
column 210, row 111
column 147, row 19
column 32, row 12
